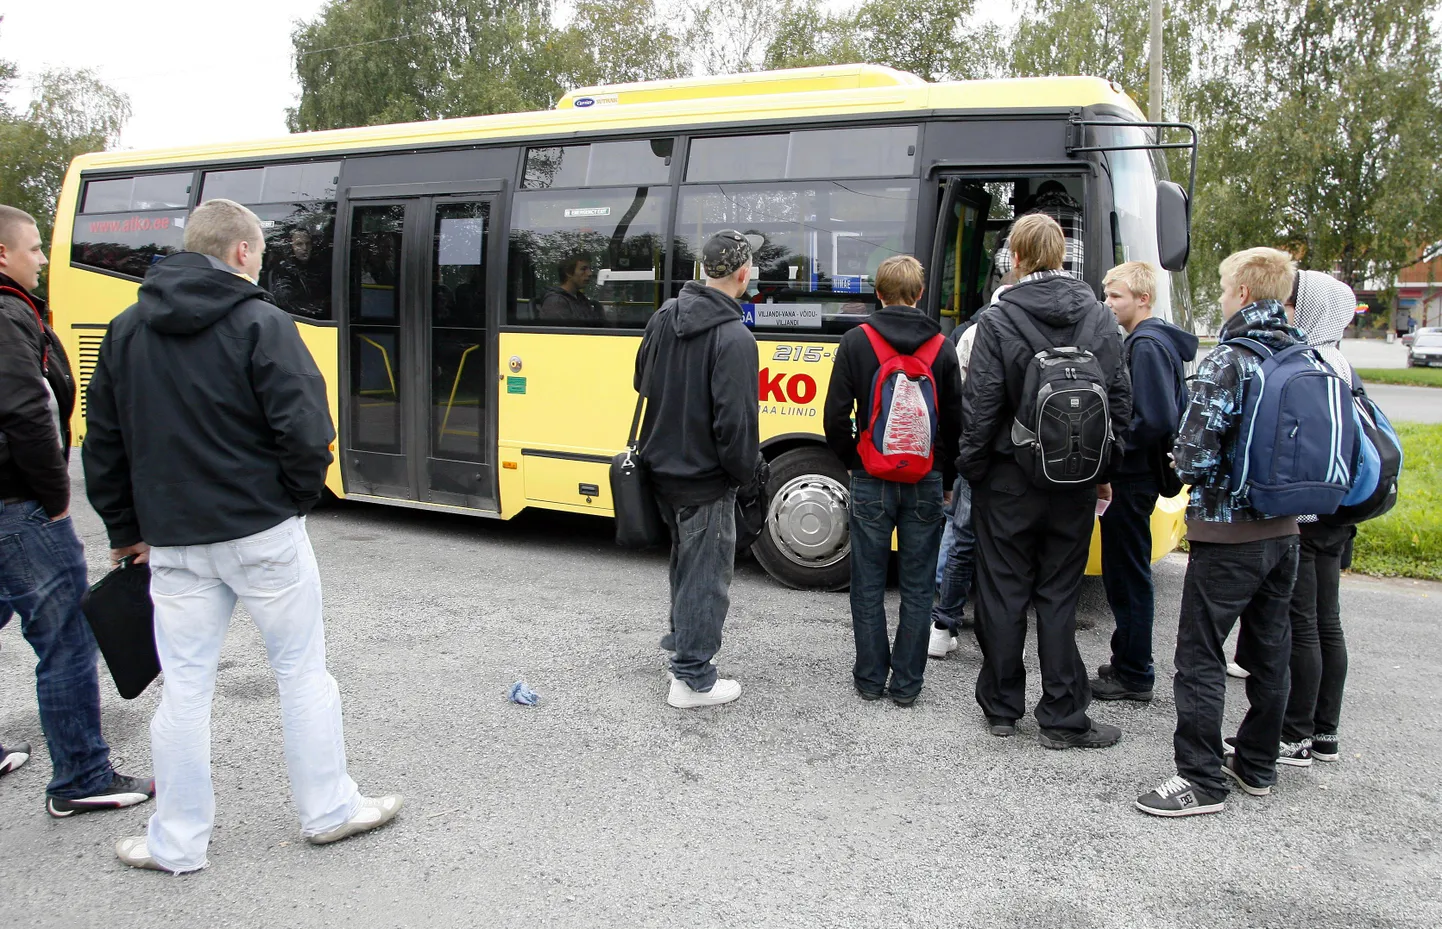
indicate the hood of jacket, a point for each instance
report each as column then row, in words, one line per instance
column 700, row 309
column 1325, row 307
column 1054, row 298
column 188, row 292
column 1183, row 341
column 905, row 328
column 1264, row 321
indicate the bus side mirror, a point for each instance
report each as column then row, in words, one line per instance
column 1174, row 226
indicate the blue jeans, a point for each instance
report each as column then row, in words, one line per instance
column 957, row 564
column 42, row 578
column 915, row 512
column 1127, row 576
column 703, row 560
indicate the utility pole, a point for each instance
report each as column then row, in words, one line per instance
column 1154, row 106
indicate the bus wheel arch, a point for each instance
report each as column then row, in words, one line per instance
column 806, row 543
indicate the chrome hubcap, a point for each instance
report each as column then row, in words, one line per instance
column 808, row 523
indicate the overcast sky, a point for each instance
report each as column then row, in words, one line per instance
column 196, row 71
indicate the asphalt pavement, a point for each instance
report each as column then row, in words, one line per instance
column 799, row 805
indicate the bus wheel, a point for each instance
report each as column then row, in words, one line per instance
column 807, row 542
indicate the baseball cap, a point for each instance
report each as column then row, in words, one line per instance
column 725, row 253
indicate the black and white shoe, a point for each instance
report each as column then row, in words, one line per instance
column 1325, row 747
column 14, row 756
column 1293, row 754
column 1180, row 797
column 1229, row 768
column 121, row 792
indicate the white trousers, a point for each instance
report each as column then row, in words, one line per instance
column 194, row 589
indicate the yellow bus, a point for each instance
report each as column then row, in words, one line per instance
column 475, row 289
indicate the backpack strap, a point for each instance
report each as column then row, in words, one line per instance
column 39, row 321
column 882, row 348
column 1260, row 348
column 1029, row 332
column 930, row 349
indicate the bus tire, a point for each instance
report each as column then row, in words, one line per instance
column 806, row 543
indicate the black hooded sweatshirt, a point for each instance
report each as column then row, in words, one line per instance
column 207, row 418
column 1056, row 303
column 1157, row 354
column 848, row 398
column 700, row 436
column 34, row 421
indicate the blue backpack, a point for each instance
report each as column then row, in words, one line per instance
column 1298, row 435
column 1378, row 466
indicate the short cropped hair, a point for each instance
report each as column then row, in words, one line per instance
column 1037, row 244
column 1267, row 273
column 218, row 226
column 900, row 278
column 568, row 267
column 11, row 218
column 1139, row 277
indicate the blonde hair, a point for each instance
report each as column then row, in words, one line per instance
column 12, row 218
column 1037, row 244
column 900, row 278
column 1137, row 276
column 218, row 226
column 1267, row 273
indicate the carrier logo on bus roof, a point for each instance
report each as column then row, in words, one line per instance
column 582, row 103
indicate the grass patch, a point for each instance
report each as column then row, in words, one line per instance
column 1407, row 542
column 1406, row 377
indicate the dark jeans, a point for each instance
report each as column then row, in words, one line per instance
column 703, row 558
column 914, row 511
column 42, row 577
column 1127, row 576
column 1253, row 581
column 1319, row 649
column 958, row 554
column 1031, row 547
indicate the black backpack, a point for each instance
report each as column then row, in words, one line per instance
column 1063, row 425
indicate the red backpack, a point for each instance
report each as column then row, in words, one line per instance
column 899, row 441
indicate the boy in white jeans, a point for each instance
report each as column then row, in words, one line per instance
column 209, row 438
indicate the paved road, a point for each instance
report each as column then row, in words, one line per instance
column 1375, row 353
column 1408, row 404
column 798, row 806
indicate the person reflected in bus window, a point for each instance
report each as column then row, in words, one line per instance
column 300, row 282
column 698, row 367
column 380, row 265
column 1051, row 199
column 567, row 302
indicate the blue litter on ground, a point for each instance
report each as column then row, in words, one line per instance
column 523, row 695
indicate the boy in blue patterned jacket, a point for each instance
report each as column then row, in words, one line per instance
column 1242, row 564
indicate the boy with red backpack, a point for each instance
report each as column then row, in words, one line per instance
column 893, row 416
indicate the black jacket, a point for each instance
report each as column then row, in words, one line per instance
column 207, row 418
column 848, row 397
column 1057, row 303
column 700, row 435
column 1157, row 353
column 34, row 428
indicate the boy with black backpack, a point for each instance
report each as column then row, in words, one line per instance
column 893, row 414
column 1156, row 354
column 1252, row 469
column 1046, row 391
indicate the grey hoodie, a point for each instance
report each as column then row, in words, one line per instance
column 1325, row 308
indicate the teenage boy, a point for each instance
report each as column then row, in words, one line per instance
column 1242, row 563
column 879, row 507
column 1156, row 353
column 1031, row 542
column 957, row 565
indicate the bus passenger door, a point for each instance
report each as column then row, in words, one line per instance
column 957, row 275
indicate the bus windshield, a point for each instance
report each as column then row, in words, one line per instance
column 1134, row 210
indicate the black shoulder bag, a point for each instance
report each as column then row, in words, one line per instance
column 638, row 518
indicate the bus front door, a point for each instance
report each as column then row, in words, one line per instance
column 420, row 346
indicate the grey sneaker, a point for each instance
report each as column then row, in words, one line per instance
column 1180, row 797
column 373, row 812
column 14, row 756
column 1230, row 770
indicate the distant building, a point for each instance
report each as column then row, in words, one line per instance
column 1419, row 291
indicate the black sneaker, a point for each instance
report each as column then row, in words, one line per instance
column 867, row 694
column 1100, row 735
column 1293, row 754
column 1109, row 688
column 1230, row 770
column 1105, row 670
column 122, row 792
column 14, row 756
column 905, row 701
column 1326, row 748
column 1180, row 797
column 1001, row 726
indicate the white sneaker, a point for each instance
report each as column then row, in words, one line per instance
column 942, row 643
column 1237, row 671
column 682, row 697
column 372, row 812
